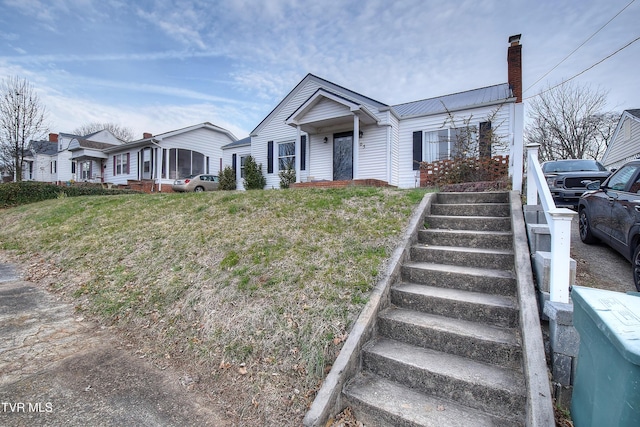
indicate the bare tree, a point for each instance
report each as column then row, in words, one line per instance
column 120, row 132
column 22, row 119
column 570, row 122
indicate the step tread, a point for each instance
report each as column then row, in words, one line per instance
column 457, row 217
column 449, row 365
column 475, row 330
column 467, row 232
column 459, row 269
column 411, row 406
column 461, row 249
column 481, row 298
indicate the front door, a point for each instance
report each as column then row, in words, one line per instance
column 343, row 156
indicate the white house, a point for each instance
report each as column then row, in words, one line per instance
column 327, row 132
column 625, row 142
column 166, row 157
column 80, row 158
column 41, row 161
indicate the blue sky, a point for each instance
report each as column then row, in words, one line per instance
column 156, row 66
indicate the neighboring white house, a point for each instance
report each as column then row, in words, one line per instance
column 327, row 132
column 101, row 157
column 80, row 158
column 625, row 142
column 166, row 157
column 41, row 161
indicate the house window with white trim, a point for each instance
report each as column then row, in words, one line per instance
column 85, row 171
column 54, row 166
column 121, row 164
column 444, row 144
column 286, row 155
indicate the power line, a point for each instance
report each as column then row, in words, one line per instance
column 585, row 70
column 583, row 43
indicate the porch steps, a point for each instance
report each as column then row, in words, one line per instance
column 448, row 348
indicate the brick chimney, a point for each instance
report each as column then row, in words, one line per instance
column 514, row 65
column 146, row 135
column 53, row 137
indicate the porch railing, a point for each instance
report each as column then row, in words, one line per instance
column 559, row 222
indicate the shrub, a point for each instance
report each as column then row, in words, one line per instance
column 287, row 177
column 228, row 179
column 253, row 178
column 20, row 193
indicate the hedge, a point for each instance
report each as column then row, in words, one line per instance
column 20, row 193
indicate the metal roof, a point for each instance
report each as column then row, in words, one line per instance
column 238, row 143
column 455, row 101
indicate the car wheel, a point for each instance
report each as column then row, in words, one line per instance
column 199, row 189
column 585, row 228
column 636, row 267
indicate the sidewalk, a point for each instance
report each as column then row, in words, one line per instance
column 58, row 369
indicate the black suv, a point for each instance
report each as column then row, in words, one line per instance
column 610, row 212
column 565, row 178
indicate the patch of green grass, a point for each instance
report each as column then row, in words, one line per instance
column 274, row 279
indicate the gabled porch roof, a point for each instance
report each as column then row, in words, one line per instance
column 344, row 115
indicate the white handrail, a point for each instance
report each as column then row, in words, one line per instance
column 559, row 221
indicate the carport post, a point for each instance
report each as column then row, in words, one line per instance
column 560, row 254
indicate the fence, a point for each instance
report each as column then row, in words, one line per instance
column 466, row 169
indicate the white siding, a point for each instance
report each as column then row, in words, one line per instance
column 121, row 179
column 326, row 109
column 500, row 125
column 227, row 160
column 626, row 143
column 320, row 155
column 373, row 153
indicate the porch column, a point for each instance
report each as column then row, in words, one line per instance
column 160, row 162
column 356, row 146
column 297, row 154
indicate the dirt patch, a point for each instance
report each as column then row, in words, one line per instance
column 59, row 369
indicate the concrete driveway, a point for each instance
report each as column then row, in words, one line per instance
column 57, row 369
column 599, row 266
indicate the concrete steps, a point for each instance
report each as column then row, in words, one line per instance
column 448, row 349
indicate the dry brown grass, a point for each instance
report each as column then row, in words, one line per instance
column 252, row 294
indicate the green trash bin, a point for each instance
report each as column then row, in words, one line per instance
column 606, row 387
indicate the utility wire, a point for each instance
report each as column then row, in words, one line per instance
column 585, row 70
column 583, row 43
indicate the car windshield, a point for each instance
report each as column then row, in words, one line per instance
column 573, row 166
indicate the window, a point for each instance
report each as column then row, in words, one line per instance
column 85, row 171
column 183, row 163
column 121, row 164
column 286, row 155
column 621, row 178
column 447, row 143
column 73, row 167
column 53, row 166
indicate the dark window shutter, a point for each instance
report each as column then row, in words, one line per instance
column 303, row 152
column 114, row 165
column 269, row 156
column 233, row 161
column 128, row 163
column 417, row 149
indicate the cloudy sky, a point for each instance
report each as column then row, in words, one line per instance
column 156, row 66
